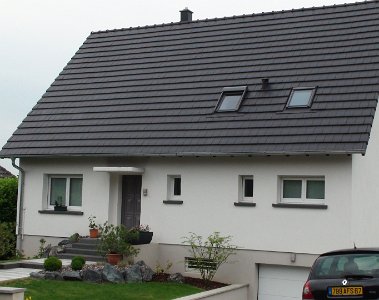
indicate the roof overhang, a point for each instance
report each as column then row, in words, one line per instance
column 120, row 170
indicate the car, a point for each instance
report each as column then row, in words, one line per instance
column 344, row 274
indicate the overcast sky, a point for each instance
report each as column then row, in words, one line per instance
column 38, row 38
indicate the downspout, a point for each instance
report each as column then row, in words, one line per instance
column 20, row 225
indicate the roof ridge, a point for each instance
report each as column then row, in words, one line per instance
column 238, row 16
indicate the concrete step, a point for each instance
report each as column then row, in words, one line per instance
column 88, row 241
column 84, row 246
column 96, row 258
column 82, row 252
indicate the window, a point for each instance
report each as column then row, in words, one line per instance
column 246, row 188
column 301, row 97
column 309, row 190
column 174, row 187
column 65, row 190
column 230, row 99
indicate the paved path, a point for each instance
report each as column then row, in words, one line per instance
column 18, row 273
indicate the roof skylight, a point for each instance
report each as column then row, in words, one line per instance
column 231, row 98
column 301, row 97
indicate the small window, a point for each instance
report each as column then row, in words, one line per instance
column 65, row 190
column 231, row 98
column 246, row 188
column 302, row 190
column 174, row 187
column 301, row 97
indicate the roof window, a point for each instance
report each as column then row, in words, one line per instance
column 301, row 97
column 231, row 98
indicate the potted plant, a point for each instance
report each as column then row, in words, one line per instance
column 142, row 234
column 93, row 227
column 58, row 205
column 114, row 243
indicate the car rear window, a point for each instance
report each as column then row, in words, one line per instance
column 338, row 266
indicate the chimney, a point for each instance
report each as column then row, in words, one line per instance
column 185, row 15
column 265, row 83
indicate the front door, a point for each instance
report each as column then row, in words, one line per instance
column 131, row 200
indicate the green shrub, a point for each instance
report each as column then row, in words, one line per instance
column 77, row 263
column 52, row 264
column 7, row 240
column 8, row 199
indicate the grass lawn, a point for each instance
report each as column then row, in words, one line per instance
column 74, row 290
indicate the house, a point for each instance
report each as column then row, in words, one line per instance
column 258, row 126
column 4, row 173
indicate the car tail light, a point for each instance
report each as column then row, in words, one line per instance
column 307, row 292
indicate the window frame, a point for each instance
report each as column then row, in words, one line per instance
column 171, row 187
column 303, row 199
column 241, row 185
column 68, row 189
column 231, row 91
column 310, row 100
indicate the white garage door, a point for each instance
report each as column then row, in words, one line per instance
column 281, row 282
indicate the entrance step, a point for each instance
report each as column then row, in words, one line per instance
column 85, row 247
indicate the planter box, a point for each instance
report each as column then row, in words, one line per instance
column 60, row 208
column 144, row 237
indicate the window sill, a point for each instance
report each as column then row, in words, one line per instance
column 245, row 204
column 299, row 205
column 68, row 212
column 175, row 202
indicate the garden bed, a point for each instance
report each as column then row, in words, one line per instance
column 196, row 282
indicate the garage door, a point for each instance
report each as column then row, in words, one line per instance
column 281, row 282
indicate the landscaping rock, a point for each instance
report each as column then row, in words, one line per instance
column 111, row 274
column 92, row 275
column 64, row 242
column 133, row 274
column 146, row 272
column 176, row 277
column 38, row 275
column 71, row 276
column 53, row 276
column 46, row 251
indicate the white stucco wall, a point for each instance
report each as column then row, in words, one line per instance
column 365, row 191
column 209, row 189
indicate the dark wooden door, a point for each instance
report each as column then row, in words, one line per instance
column 131, row 200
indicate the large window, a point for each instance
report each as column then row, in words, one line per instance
column 303, row 190
column 65, row 191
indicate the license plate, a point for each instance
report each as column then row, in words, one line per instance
column 345, row 291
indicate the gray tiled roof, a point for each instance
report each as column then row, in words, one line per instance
column 153, row 90
column 5, row 173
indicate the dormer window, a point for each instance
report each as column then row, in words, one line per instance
column 301, row 97
column 231, row 98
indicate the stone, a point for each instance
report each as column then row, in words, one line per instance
column 146, row 272
column 64, row 242
column 53, row 276
column 92, row 275
column 71, row 276
column 133, row 274
column 111, row 274
column 176, row 277
column 37, row 275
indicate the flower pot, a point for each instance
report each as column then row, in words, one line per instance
column 114, row 258
column 144, row 237
column 93, row 233
column 60, row 208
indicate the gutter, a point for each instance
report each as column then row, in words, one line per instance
column 20, row 225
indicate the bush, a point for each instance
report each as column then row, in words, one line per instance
column 52, row 264
column 77, row 263
column 209, row 255
column 8, row 199
column 7, row 240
